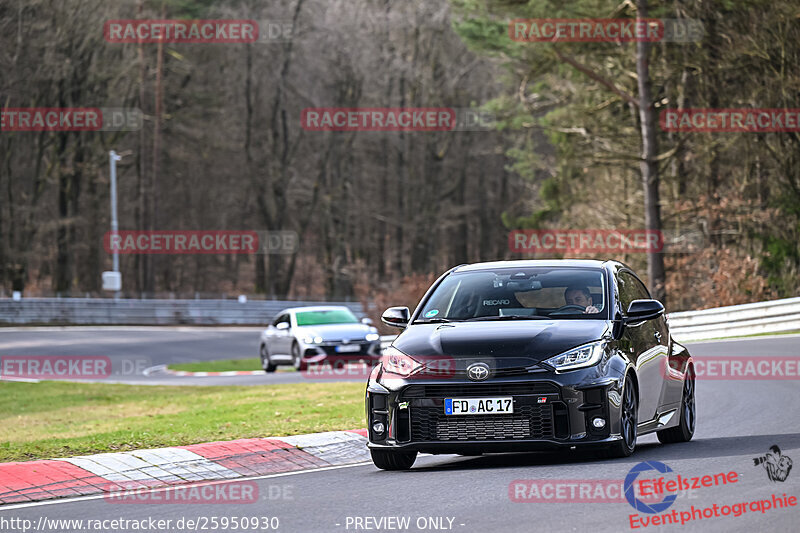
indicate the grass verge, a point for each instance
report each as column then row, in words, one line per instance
column 59, row 419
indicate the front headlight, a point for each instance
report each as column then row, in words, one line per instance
column 312, row 340
column 396, row 362
column 580, row 357
column 372, row 337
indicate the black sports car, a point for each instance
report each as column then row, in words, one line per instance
column 527, row 355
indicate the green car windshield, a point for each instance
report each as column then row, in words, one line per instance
column 321, row 317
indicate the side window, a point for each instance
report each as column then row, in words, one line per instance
column 630, row 289
column 641, row 291
column 281, row 318
column 623, row 291
column 442, row 303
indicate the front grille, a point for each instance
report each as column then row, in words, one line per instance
column 499, row 372
column 467, row 390
column 331, row 349
column 527, row 422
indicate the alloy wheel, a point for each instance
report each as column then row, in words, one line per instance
column 688, row 402
column 628, row 418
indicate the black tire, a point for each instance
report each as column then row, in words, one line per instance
column 629, row 418
column 266, row 364
column 297, row 357
column 684, row 431
column 390, row 460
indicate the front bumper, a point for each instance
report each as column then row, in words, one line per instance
column 551, row 410
column 368, row 351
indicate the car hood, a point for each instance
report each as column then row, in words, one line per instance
column 337, row 332
column 506, row 344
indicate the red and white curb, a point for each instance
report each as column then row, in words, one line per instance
column 357, row 370
column 204, row 374
column 109, row 472
column 162, row 369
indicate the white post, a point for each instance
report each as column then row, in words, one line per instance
column 113, row 158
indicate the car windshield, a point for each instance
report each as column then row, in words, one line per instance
column 533, row 293
column 326, row 316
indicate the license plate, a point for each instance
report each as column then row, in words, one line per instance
column 347, row 348
column 478, row 406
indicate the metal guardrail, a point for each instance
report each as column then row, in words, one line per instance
column 777, row 316
column 748, row 319
column 102, row 311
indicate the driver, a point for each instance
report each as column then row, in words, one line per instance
column 579, row 295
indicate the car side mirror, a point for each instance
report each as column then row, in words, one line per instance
column 366, row 321
column 396, row 316
column 283, row 325
column 641, row 310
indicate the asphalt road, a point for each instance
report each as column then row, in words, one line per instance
column 136, row 352
column 737, row 422
column 156, row 345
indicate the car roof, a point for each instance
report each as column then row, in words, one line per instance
column 586, row 263
column 315, row 308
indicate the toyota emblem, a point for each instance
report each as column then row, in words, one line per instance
column 478, row 371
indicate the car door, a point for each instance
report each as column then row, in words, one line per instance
column 281, row 338
column 673, row 384
column 649, row 346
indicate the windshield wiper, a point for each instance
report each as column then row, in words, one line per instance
column 510, row 317
column 434, row 320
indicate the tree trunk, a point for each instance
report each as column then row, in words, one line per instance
column 142, row 262
column 649, row 164
column 152, row 186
